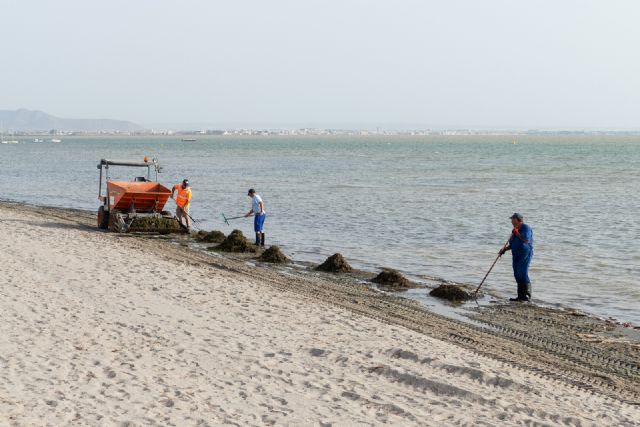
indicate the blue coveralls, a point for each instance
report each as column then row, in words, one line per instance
column 522, row 253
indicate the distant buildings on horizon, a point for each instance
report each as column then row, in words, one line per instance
column 37, row 123
column 319, row 132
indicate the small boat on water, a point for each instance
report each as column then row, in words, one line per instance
column 188, row 140
column 56, row 140
column 38, row 140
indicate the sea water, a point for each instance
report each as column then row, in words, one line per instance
column 431, row 206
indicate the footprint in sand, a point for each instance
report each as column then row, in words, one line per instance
column 110, row 373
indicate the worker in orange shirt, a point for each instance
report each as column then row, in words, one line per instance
column 181, row 193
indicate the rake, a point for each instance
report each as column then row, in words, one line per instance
column 491, row 268
column 226, row 220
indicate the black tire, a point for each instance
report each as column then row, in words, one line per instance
column 103, row 218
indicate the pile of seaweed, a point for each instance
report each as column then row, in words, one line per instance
column 214, row 236
column 451, row 293
column 335, row 264
column 155, row 224
column 274, row 255
column 392, row 279
column 236, row 242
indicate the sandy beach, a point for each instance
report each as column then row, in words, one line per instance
column 104, row 329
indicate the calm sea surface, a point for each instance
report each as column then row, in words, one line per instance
column 428, row 206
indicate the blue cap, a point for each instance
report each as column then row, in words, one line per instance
column 517, row 216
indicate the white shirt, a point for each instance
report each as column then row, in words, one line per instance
column 255, row 204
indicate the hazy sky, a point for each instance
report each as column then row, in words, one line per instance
column 543, row 64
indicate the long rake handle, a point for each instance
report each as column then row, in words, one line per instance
column 193, row 219
column 226, row 220
column 492, row 265
column 187, row 214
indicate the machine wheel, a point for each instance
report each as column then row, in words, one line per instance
column 103, row 218
column 117, row 223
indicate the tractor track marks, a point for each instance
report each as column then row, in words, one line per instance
column 537, row 354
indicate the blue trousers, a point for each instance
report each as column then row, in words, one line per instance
column 521, row 264
column 258, row 223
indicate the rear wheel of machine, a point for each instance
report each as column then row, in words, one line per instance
column 117, row 222
column 103, row 218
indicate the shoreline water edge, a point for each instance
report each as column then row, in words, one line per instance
column 424, row 281
column 58, row 258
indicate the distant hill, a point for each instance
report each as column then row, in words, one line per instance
column 32, row 121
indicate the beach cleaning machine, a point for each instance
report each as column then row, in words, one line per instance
column 134, row 206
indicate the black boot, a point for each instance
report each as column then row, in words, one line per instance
column 257, row 239
column 527, row 291
column 519, row 294
column 262, row 240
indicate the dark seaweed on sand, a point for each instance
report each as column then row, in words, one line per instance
column 335, row 264
column 236, row 242
column 273, row 255
column 214, row 236
column 451, row 293
column 391, row 278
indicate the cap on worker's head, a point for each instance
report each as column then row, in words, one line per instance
column 517, row 216
column 251, row 191
column 185, row 181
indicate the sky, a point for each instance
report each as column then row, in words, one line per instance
column 333, row 63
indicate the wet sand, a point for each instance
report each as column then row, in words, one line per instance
column 104, row 329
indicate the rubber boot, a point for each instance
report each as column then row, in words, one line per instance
column 522, row 292
column 527, row 291
column 257, row 239
column 262, row 240
column 519, row 294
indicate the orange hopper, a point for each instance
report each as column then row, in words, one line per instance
column 127, row 196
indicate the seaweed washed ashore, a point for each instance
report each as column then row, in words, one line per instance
column 335, row 264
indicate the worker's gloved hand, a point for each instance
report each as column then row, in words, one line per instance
column 515, row 232
column 502, row 251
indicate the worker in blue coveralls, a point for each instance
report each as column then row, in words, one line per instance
column 521, row 247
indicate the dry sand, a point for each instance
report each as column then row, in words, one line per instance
column 100, row 329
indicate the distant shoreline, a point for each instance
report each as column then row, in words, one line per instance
column 239, row 134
